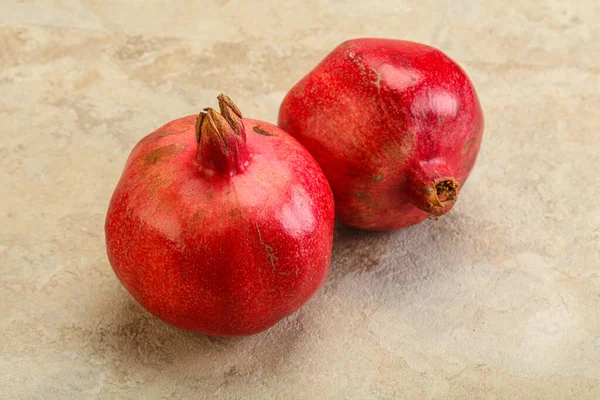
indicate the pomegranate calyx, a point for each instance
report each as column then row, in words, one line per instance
column 221, row 138
column 441, row 196
column 432, row 187
column 231, row 113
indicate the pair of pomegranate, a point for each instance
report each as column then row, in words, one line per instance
column 223, row 225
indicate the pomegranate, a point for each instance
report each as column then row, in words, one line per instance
column 220, row 224
column 395, row 125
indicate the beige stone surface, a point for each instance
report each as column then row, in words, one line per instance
column 500, row 299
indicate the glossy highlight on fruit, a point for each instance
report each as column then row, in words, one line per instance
column 220, row 224
column 395, row 125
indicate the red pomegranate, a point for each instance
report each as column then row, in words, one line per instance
column 220, row 225
column 395, row 125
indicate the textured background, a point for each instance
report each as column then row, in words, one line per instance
column 498, row 299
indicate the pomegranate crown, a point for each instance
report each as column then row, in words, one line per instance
column 221, row 138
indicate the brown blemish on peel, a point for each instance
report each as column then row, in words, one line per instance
column 209, row 193
column 169, row 133
column 378, row 178
column 268, row 249
column 258, row 129
column 167, row 151
column 235, row 213
column 377, row 82
column 468, row 145
column 366, row 200
column 287, row 123
column 471, row 162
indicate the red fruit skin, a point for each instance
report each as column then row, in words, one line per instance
column 220, row 255
column 387, row 120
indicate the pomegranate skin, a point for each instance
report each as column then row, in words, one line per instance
column 222, row 254
column 396, row 127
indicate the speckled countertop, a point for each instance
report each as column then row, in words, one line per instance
column 500, row 299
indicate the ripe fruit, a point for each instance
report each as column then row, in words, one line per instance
column 395, row 125
column 220, row 225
